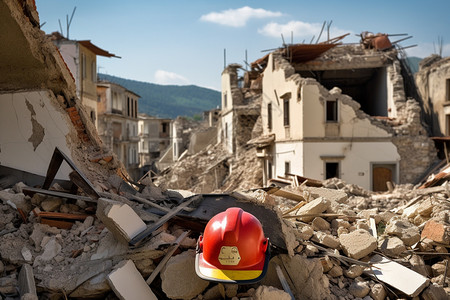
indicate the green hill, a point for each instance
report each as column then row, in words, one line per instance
column 169, row 101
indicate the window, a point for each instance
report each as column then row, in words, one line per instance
column 331, row 111
column 128, row 106
column 269, row 116
column 135, row 108
column 93, row 72
column 331, row 170
column 447, row 89
column 225, row 100
column 226, row 130
column 287, row 167
column 269, row 173
column 286, row 111
column 83, row 66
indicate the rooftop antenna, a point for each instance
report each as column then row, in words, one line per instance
column 224, row 58
column 60, row 27
column 246, row 61
column 328, row 30
column 70, row 21
column 320, row 34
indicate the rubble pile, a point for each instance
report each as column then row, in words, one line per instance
column 214, row 170
column 341, row 242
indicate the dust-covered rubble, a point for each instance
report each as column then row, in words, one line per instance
column 332, row 236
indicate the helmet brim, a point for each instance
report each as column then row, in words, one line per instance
column 209, row 272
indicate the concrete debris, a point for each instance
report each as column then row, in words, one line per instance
column 179, row 280
column 326, row 236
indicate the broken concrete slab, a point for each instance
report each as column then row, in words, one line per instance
column 359, row 288
column 307, row 278
column 391, row 246
column 27, row 284
column 400, row 277
column 316, row 206
column 179, row 280
column 358, row 243
column 128, row 284
column 120, row 219
column 269, row 292
column 406, row 231
column 338, row 196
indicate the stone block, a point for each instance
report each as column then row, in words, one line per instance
column 358, row 243
column 359, row 289
column 326, row 239
column 120, row 219
column 391, row 246
column 406, row 231
column 338, row 196
column 128, row 284
column 316, row 206
column 437, row 232
column 320, row 224
column 179, row 280
column 269, row 292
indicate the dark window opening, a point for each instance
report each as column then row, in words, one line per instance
column 225, row 100
column 286, row 112
column 269, row 173
column 331, row 170
column 269, row 116
column 447, row 89
column 332, row 111
column 287, row 167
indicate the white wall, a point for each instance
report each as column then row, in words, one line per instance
column 292, row 152
column 228, row 137
column 356, row 164
column 16, row 128
column 69, row 52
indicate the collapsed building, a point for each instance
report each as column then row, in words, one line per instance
column 95, row 236
column 330, row 110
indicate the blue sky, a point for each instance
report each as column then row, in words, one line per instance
column 182, row 42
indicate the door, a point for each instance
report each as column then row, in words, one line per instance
column 380, row 175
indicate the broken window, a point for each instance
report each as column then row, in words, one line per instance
column 287, row 167
column 269, row 116
column 286, row 111
column 331, row 170
column 367, row 86
column 331, row 111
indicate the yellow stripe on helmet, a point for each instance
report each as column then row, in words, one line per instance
column 230, row 274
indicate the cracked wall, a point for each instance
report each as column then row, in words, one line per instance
column 32, row 124
column 355, row 141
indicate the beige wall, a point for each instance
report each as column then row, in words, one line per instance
column 355, row 159
column 32, row 124
column 357, row 141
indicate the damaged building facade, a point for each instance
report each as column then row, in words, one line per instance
column 433, row 83
column 81, row 59
column 40, row 109
column 241, row 108
column 330, row 110
column 118, row 123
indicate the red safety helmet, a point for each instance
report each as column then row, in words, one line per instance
column 233, row 249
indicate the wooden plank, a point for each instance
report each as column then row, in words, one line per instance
column 53, row 167
column 30, row 191
column 137, row 240
column 166, row 258
column 283, row 281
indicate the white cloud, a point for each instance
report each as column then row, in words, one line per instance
column 238, row 17
column 165, row 77
column 302, row 32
